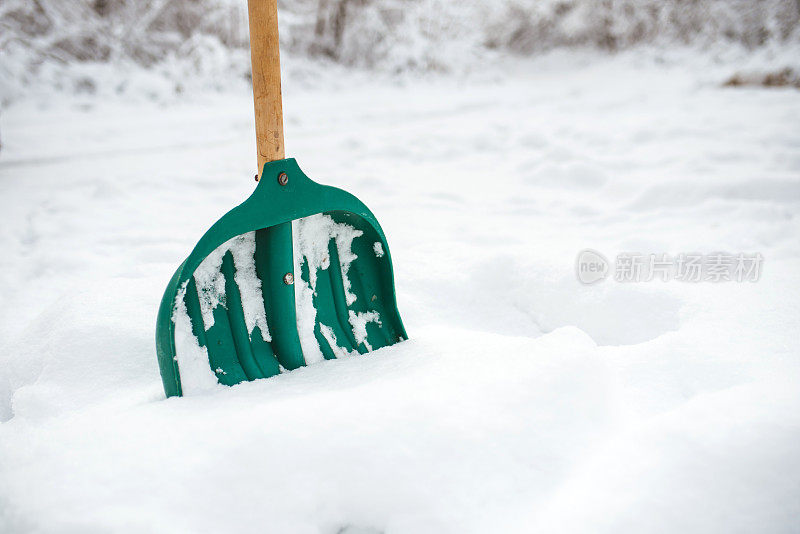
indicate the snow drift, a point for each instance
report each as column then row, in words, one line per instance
column 523, row 401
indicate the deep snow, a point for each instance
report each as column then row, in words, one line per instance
column 524, row 401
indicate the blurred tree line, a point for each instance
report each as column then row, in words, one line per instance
column 102, row 30
column 196, row 37
column 146, row 30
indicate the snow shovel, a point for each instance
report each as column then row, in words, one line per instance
column 298, row 273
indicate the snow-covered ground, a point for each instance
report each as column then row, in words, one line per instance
column 523, row 402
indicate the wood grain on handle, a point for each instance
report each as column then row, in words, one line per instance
column 266, row 61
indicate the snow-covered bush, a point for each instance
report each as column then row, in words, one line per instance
column 438, row 33
column 41, row 41
column 57, row 41
column 528, row 26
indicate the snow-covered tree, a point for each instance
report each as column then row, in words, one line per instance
column 38, row 37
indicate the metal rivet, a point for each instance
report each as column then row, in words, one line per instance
column 256, row 177
column 288, row 279
column 283, row 178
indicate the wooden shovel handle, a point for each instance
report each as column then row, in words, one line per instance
column 266, row 62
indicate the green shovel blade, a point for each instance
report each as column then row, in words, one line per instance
column 231, row 308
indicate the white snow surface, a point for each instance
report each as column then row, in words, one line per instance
column 193, row 361
column 195, row 370
column 210, row 283
column 311, row 237
column 243, row 251
column 524, row 401
column 359, row 323
column 306, row 318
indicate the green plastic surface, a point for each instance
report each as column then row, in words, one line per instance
column 238, row 356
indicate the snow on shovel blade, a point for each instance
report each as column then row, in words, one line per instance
column 297, row 273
